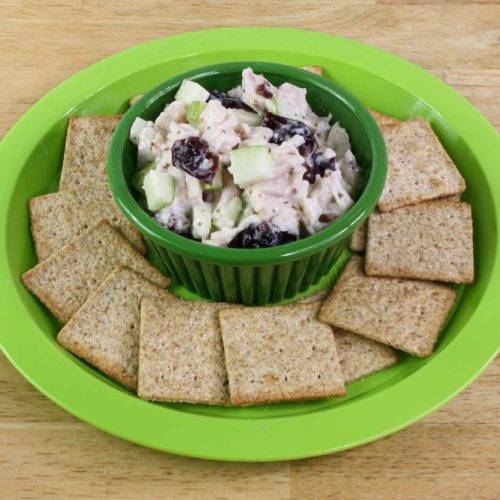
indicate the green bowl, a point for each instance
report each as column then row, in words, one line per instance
column 256, row 276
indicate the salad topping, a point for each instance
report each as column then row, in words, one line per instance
column 253, row 167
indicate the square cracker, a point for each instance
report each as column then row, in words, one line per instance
column 64, row 281
column 58, row 218
column 318, row 70
column 105, row 330
column 181, row 357
column 405, row 314
column 453, row 197
column 428, row 241
column 357, row 243
column 383, row 119
column 279, row 353
column 86, row 151
column 359, row 356
column 419, row 167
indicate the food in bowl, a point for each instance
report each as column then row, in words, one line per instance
column 256, row 276
column 253, row 167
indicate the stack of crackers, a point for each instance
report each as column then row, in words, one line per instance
column 84, row 196
column 419, row 237
column 117, row 316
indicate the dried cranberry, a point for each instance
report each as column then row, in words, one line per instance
column 265, row 90
column 228, row 101
column 261, row 235
column 317, row 164
column 193, row 156
column 285, row 128
column 287, row 237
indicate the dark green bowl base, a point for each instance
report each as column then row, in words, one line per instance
column 249, row 285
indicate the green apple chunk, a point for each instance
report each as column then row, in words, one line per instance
column 216, row 185
column 194, row 112
column 202, row 220
column 193, row 187
column 159, row 188
column 338, row 140
column 251, row 164
column 138, row 178
column 226, row 216
column 252, row 119
column 272, row 105
column 191, row 91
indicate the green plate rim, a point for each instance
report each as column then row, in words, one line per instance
column 263, row 439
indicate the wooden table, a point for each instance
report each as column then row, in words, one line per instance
column 45, row 452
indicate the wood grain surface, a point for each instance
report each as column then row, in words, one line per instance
column 46, row 453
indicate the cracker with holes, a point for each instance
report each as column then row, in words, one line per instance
column 405, row 314
column 64, row 281
column 181, row 356
column 279, row 353
column 428, row 241
column 105, row 330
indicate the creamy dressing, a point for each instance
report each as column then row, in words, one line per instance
column 219, row 127
column 292, row 204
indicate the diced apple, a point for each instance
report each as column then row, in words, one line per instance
column 138, row 178
column 217, row 183
column 251, row 119
column 136, row 129
column 226, row 216
column 251, row 164
column 191, row 91
column 202, row 220
column 193, row 186
column 159, row 188
column 338, row 140
column 194, row 112
column 272, row 105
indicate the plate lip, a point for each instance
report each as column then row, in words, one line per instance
column 273, row 433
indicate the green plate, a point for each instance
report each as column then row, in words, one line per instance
column 31, row 156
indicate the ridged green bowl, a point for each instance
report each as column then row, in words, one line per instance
column 251, row 276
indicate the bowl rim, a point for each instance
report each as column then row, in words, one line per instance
column 311, row 244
